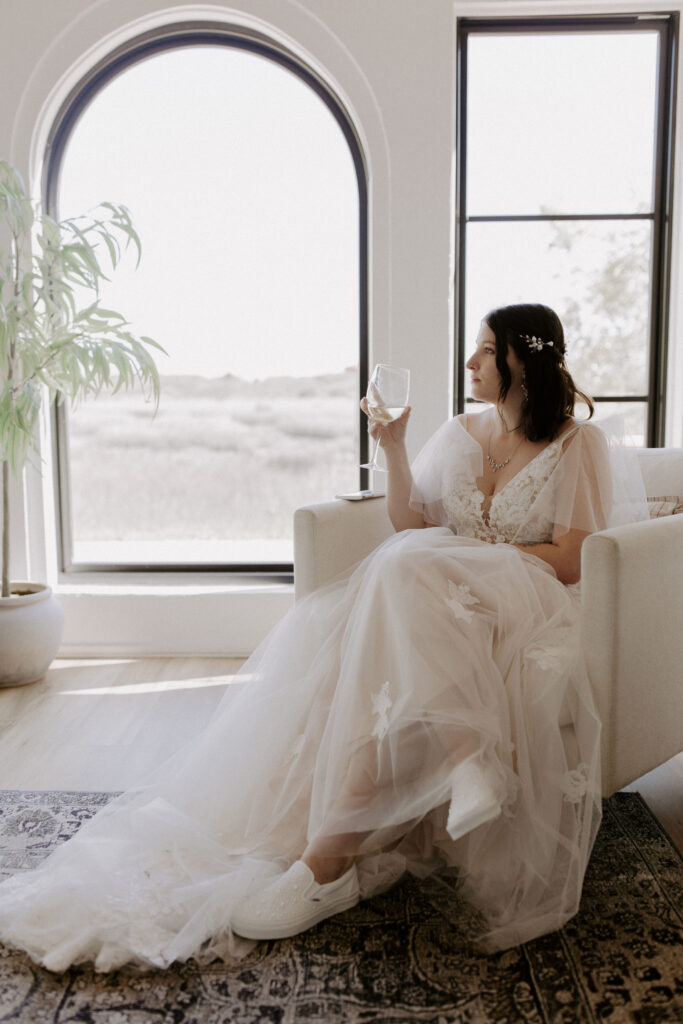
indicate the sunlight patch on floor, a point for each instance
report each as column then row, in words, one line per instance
column 162, row 686
column 91, row 662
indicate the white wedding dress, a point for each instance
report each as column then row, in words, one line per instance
column 413, row 707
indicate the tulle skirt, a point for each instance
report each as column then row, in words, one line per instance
column 430, row 710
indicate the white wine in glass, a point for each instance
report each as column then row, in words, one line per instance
column 387, row 398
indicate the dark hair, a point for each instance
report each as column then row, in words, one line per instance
column 550, row 390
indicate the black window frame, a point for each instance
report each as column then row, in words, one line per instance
column 160, row 40
column 666, row 25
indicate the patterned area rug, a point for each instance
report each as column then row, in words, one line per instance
column 397, row 959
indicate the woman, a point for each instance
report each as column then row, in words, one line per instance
column 407, row 716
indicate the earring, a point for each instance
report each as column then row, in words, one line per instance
column 523, row 387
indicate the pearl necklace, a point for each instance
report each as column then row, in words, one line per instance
column 495, row 466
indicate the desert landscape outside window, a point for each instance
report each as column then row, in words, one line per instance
column 248, row 200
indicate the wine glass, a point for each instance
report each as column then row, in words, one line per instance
column 387, row 397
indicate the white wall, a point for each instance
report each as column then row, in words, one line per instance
column 392, row 62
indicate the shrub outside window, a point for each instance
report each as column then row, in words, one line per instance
column 564, row 194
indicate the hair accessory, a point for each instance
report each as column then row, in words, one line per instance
column 534, row 343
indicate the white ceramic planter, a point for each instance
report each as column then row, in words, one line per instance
column 31, row 625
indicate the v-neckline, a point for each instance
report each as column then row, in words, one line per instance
column 495, row 494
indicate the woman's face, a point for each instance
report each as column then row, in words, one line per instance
column 482, row 365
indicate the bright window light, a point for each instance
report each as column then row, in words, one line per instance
column 243, row 189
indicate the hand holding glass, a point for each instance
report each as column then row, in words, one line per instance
column 387, row 398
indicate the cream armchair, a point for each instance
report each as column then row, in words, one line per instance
column 631, row 612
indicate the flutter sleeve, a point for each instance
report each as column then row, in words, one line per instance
column 450, row 453
column 597, row 483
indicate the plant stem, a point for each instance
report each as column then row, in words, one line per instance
column 11, row 353
column 5, row 529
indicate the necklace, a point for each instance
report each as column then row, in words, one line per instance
column 495, row 466
column 508, row 430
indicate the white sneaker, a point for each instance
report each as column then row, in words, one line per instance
column 475, row 799
column 293, row 903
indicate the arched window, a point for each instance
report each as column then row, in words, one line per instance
column 246, row 183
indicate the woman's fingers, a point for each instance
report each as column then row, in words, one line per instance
column 404, row 415
column 397, row 429
column 394, row 431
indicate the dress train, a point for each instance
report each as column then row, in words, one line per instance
column 430, row 709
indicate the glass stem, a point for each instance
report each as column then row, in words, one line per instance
column 373, row 460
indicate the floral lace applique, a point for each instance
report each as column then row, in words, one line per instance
column 297, row 748
column 381, row 704
column 574, row 783
column 152, row 892
column 502, row 517
column 460, row 595
column 549, row 659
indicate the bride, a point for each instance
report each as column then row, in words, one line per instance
column 428, row 709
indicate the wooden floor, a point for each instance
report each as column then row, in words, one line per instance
column 101, row 725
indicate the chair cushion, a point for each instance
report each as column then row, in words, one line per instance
column 662, row 470
column 670, row 505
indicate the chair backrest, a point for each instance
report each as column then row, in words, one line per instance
column 662, row 470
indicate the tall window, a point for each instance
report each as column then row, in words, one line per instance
column 246, row 185
column 564, row 194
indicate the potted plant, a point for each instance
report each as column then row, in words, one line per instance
column 56, row 341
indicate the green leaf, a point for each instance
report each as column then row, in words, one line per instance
column 64, row 340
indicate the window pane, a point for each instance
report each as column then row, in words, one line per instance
column 217, row 475
column 596, row 275
column 243, row 189
column 561, row 123
column 632, row 417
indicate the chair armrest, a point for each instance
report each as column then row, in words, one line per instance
column 333, row 536
column 632, row 635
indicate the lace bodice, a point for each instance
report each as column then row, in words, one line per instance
column 504, row 517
